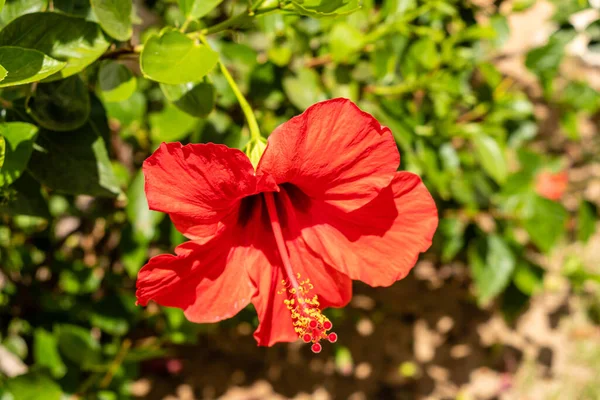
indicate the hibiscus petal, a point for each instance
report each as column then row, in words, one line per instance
column 334, row 289
column 200, row 184
column 378, row 243
column 207, row 280
column 275, row 323
column 334, row 152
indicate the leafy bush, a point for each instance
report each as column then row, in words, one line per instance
column 90, row 88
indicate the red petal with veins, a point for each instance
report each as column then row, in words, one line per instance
column 208, row 280
column 378, row 243
column 333, row 152
column 198, row 185
column 195, row 280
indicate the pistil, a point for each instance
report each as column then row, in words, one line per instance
column 309, row 323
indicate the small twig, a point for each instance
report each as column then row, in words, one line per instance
column 85, row 386
column 121, row 52
column 318, row 61
column 116, row 363
column 237, row 20
column 186, row 24
column 5, row 103
column 474, row 114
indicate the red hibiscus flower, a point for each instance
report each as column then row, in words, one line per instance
column 325, row 205
column 551, row 185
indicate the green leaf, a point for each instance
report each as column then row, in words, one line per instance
column 19, row 137
column 593, row 30
column 323, row 8
column 241, row 57
column 143, row 220
column 426, row 53
column 128, row 111
column 500, row 25
column 528, row 278
column 170, row 125
column 114, row 17
column 304, row 89
column 344, row 363
column 45, row 353
column 78, row 8
column 429, row 161
column 25, row 65
column 452, row 230
column 569, row 124
column 78, row 345
column 197, row 100
column 547, row 222
column 76, row 162
column 134, row 252
column 61, row 105
column 280, row 55
column 530, row 161
column 1, row 5
column 174, row 58
column 525, row 132
column 522, row 5
column 491, row 157
column 492, row 273
column 15, row 344
column 24, row 197
column 514, row 303
column 176, row 238
column 29, row 387
column 392, row 8
column 116, row 82
column 344, row 41
column 195, row 9
column 3, row 73
column 112, row 315
column 544, row 61
column 219, row 128
column 580, row 96
column 15, row 8
column 70, row 39
column 586, row 221
column 112, row 324
column 578, row 272
column 79, row 280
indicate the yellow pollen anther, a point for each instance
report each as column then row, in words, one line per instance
column 309, row 322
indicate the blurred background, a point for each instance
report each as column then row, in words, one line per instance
column 494, row 103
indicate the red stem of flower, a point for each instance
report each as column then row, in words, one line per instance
column 276, row 226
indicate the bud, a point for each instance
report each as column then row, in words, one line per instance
column 255, row 150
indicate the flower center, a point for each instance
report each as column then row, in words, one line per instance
column 309, row 323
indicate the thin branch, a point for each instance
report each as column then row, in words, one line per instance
column 121, row 52
column 125, row 345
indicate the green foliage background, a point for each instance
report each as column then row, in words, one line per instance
column 88, row 89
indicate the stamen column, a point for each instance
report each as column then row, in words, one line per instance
column 309, row 323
